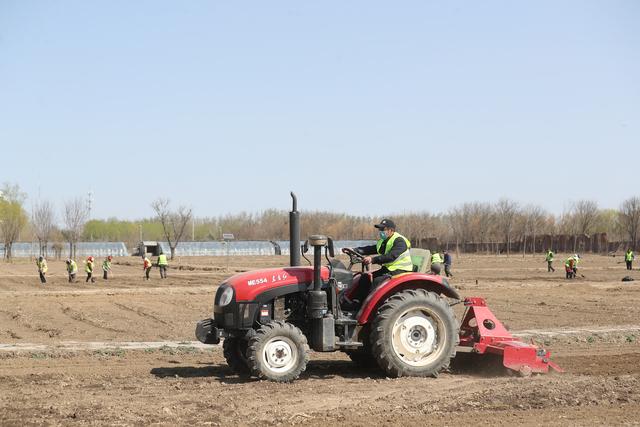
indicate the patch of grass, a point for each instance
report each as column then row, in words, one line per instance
column 630, row 338
column 149, row 350
column 39, row 355
column 117, row 352
column 165, row 349
column 591, row 339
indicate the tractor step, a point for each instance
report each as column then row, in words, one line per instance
column 349, row 345
column 346, row 321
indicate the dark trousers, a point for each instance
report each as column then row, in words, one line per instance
column 105, row 274
column 42, row 278
column 436, row 268
column 447, row 270
column 163, row 271
column 629, row 265
column 72, row 277
column 146, row 273
column 90, row 277
column 550, row 267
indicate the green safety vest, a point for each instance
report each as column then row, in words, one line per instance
column 162, row 259
column 72, row 267
column 436, row 258
column 403, row 262
column 42, row 266
column 88, row 266
column 567, row 263
column 106, row 265
column 628, row 256
column 550, row 256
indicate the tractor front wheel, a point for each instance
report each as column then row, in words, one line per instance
column 278, row 351
column 414, row 334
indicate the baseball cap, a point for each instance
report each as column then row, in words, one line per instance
column 385, row 223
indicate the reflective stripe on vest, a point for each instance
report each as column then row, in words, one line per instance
column 629, row 256
column 436, row 258
column 403, row 262
column 549, row 256
column 162, row 259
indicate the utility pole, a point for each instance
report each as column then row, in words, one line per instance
column 89, row 207
column 89, row 203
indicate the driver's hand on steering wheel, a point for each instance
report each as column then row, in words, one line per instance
column 366, row 260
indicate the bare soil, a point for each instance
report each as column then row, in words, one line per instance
column 590, row 324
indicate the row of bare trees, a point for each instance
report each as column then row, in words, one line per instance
column 43, row 223
column 486, row 225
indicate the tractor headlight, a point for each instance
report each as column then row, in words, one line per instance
column 226, row 296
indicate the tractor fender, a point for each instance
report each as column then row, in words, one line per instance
column 378, row 296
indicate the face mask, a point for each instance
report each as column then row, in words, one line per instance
column 382, row 235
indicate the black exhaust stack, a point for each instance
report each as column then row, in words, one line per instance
column 294, row 233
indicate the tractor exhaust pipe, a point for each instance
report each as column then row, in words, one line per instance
column 294, row 233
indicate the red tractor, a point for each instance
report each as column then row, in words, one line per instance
column 270, row 319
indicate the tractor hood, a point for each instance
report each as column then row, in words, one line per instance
column 247, row 286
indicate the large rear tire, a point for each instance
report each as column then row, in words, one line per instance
column 235, row 353
column 414, row 334
column 278, row 351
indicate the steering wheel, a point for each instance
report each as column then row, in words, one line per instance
column 354, row 258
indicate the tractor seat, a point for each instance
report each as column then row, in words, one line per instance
column 421, row 260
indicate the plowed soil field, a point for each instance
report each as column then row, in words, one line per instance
column 121, row 352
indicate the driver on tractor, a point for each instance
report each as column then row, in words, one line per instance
column 392, row 250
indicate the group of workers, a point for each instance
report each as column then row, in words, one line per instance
column 570, row 264
column 162, row 264
column 72, row 268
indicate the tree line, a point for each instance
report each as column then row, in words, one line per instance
column 503, row 222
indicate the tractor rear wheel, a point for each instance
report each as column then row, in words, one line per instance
column 278, row 351
column 235, row 353
column 414, row 334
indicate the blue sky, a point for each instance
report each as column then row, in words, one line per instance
column 362, row 107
